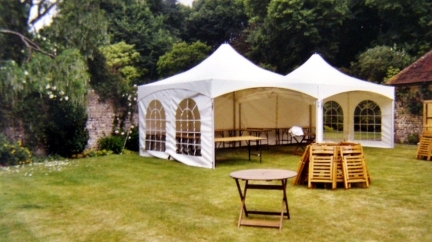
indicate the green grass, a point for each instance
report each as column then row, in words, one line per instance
column 131, row 198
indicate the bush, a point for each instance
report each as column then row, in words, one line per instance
column 66, row 133
column 413, row 139
column 113, row 143
column 133, row 140
column 12, row 154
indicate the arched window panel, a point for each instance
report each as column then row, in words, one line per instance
column 333, row 121
column 155, row 127
column 367, row 121
column 188, row 128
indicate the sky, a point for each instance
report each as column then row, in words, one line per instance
column 186, row 2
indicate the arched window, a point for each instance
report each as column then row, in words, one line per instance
column 367, row 121
column 333, row 121
column 188, row 128
column 155, row 127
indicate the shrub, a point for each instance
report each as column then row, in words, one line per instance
column 413, row 139
column 113, row 143
column 12, row 154
column 66, row 132
column 133, row 140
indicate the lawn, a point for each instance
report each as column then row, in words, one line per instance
column 132, row 198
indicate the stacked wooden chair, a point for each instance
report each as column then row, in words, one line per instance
column 354, row 165
column 333, row 163
column 322, row 168
column 424, row 148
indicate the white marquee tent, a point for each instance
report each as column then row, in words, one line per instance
column 178, row 116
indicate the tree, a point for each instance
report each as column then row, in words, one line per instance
column 182, row 57
column 135, row 24
column 295, row 29
column 374, row 64
column 214, row 22
column 122, row 60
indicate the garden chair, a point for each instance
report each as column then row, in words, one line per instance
column 354, row 165
column 424, row 148
column 322, row 165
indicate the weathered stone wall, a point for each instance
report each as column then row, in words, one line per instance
column 406, row 124
column 100, row 121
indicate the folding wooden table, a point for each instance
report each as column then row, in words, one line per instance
column 263, row 175
column 247, row 139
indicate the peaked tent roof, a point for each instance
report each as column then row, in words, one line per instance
column 223, row 72
column 418, row 72
column 329, row 81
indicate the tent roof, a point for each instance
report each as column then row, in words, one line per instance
column 223, row 72
column 317, row 72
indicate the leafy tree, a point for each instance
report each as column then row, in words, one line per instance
column 122, row 60
column 404, row 22
column 256, row 10
column 295, row 29
column 375, row 63
column 182, row 57
column 214, row 22
column 135, row 24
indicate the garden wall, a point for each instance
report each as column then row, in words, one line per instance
column 100, row 121
column 406, row 124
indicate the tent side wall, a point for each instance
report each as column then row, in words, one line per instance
column 170, row 100
column 350, row 100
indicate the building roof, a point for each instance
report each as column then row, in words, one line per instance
column 418, row 72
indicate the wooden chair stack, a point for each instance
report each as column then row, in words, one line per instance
column 354, row 165
column 424, row 148
column 322, row 167
column 333, row 163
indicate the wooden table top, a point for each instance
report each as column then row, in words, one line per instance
column 263, row 174
column 237, row 138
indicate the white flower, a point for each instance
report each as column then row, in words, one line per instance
column 128, row 112
column 47, row 86
column 54, row 87
column 23, row 81
column 132, row 126
column 61, row 93
column 51, row 96
column 66, row 98
column 116, row 131
column 135, row 85
column 26, row 73
column 122, row 133
column 130, row 104
column 134, row 98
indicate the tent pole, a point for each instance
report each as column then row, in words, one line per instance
column 234, row 110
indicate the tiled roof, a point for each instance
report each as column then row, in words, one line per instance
column 418, row 72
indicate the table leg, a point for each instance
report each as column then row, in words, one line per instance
column 243, row 201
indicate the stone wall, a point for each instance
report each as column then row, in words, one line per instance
column 100, row 121
column 406, row 124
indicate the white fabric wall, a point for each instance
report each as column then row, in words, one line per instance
column 349, row 102
column 170, row 100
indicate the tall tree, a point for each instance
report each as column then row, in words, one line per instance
column 295, row 29
column 214, row 22
column 136, row 24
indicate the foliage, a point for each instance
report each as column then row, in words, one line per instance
column 122, row 60
column 374, row 64
column 113, row 143
column 413, row 138
column 132, row 142
column 65, row 131
column 214, row 22
column 136, row 24
column 182, row 57
column 12, row 153
column 300, row 28
column 80, row 25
